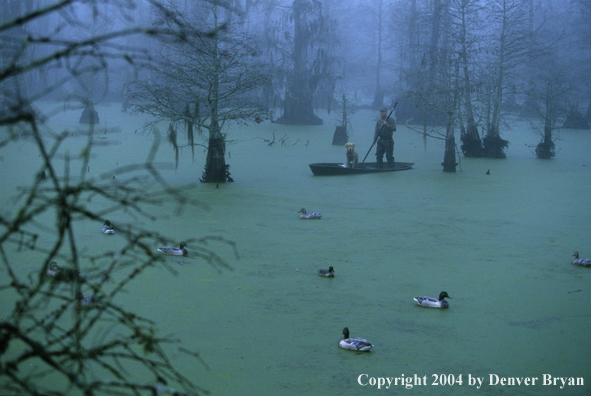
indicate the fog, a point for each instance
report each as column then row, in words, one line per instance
column 194, row 121
column 419, row 53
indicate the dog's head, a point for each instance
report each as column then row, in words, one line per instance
column 350, row 147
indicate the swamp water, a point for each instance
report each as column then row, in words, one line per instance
column 499, row 244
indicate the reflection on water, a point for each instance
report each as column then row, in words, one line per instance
column 499, row 244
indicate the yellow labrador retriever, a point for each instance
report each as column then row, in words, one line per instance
column 352, row 156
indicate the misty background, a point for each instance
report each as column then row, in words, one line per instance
column 478, row 60
column 118, row 108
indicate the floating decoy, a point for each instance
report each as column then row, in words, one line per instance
column 83, row 301
column 174, row 251
column 329, row 273
column 354, row 343
column 108, row 228
column 432, row 302
column 581, row 262
column 60, row 274
column 53, row 269
column 306, row 215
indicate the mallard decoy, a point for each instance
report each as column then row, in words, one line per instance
column 107, row 228
column 306, row 215
column 432, row 302
column 581, row 262
column 174, row 251
column 355, row 343
column 83, row 301
column 53, row 269
column 329, row 273
column 63, row 274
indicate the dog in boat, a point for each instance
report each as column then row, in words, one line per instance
column 352, row 156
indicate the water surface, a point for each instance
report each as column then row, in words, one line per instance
column 499, row 244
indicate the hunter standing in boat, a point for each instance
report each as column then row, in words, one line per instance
column 385, row 128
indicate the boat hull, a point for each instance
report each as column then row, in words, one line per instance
column 335, row 169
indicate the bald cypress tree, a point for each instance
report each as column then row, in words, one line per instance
column 217, row 70
column 310, row 64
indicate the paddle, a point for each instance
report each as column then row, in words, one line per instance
column 387, row 118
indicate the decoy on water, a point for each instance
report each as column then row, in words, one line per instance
column 174, row 251
column 83, row 301
column 328, row 273
column 306, row 215
column 60, row 274
column 354, row 343
column 432, row 302
column 108, row 228
column 581, row 262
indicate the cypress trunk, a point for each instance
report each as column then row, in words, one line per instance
column 299, row 99
column 546, row 148
column 216, row 170
column 493, row 145
column 449, row 158
column 471, row 142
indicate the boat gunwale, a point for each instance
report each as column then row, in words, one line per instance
column 337, row 168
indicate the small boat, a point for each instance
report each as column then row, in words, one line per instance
column 334, row 168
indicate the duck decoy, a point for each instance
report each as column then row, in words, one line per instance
column 432, row 302
column 174, row 251
column 83, row 301
column 581, row 262
column 328, row 273
column 306, row 215
column 354, row 343
column 60, row 274
column 108, row 228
